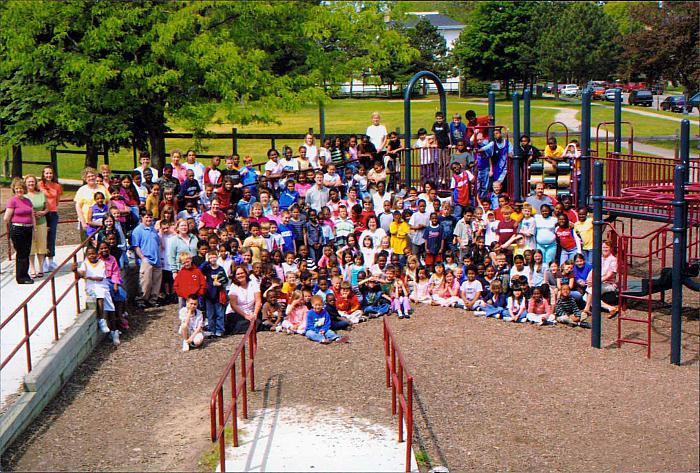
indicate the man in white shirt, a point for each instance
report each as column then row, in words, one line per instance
column 377, row 133
column 145, row 160
column 317, row 196
column 196, row 167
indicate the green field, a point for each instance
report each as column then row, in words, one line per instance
column 346, row 116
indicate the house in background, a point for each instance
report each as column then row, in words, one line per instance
column 446, row 26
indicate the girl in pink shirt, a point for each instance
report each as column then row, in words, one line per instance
column 538, row 310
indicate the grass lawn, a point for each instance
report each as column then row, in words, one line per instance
column 670, row 144
column 343, row 116
column 643, row 125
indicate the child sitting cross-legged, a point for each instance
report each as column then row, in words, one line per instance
column 191, row 322
column 566, row 310
column 271, row 312
column 318, row 324
column 295, row 319
column 517, row 305
column 496, row 304
column 538, row 310
column 375, row 302
column 347, row 303
column 338, row 322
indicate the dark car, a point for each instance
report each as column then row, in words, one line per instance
column 641, row 97
column 694, row 102
column 674, row 103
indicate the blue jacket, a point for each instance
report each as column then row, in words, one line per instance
column 318, row 322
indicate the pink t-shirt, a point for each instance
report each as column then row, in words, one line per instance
column 609, row 265
column 23, row 209
column 210, row 221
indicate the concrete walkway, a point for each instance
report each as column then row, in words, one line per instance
column 568, row 117
column 12, row 294
column 296, row 439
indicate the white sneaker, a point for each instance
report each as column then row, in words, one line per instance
column 115, row 337
column 185, row 346
column 507, row 319
column 102, row 323
column 479, row 313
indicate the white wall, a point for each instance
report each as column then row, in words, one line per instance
column 450, row 37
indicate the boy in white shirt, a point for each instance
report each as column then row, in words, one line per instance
column 191, row 322
column 470, row 290
column 418, row 221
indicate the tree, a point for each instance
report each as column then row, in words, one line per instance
column 430, row 52
column 432, row 47
column 579, row 44
column 494, row 41
column 90, row 72
column 667, row 43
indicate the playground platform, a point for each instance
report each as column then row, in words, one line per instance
column 12, row 295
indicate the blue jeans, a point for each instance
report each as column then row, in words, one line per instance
column 215, row 316
column 318, row 338
column 567, row 255
column 339, row 324
column 549, row 252
column 483, row 180
column 492, row 311
column 52, row 224
column 379, row 309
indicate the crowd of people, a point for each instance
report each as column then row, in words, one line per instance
column 326, row 236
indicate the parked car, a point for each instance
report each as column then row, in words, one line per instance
column 657, row 89
column 610, row 94
column 694, row 102
column 674, row 103
column 598, row 93
column 630, row 86
column 641, row 97
column 570, row 90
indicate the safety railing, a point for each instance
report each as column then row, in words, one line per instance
column 56, row 299
column 6, row 234
column 397, row 375
column 219, row 411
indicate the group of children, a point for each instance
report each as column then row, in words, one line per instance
column 331, row 239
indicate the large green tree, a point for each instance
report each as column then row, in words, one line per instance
column 580, row 43
column 93, row 72
column 494, row 42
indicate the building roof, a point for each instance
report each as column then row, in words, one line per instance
column 438, row 20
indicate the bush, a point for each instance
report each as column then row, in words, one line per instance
column 475, row 87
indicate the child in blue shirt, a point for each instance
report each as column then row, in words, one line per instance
column 288, row 196
column 318, row 323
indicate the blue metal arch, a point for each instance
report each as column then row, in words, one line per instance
column 407, row 111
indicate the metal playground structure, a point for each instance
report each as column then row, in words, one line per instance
column 628, row 188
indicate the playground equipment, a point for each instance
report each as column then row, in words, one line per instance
column 657, row 190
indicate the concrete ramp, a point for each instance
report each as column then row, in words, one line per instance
column 300, row 439
column 11, row 295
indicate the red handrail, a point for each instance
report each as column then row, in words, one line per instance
column 72, row 258
column 395, row 380
column 218, row 414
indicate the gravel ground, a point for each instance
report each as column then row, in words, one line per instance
column 489, row 396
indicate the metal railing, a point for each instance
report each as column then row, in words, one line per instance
column 55, row 299
column 219, row 412
column 397, row 375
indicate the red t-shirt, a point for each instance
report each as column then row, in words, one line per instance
column 506, row 230
column 566, row 239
